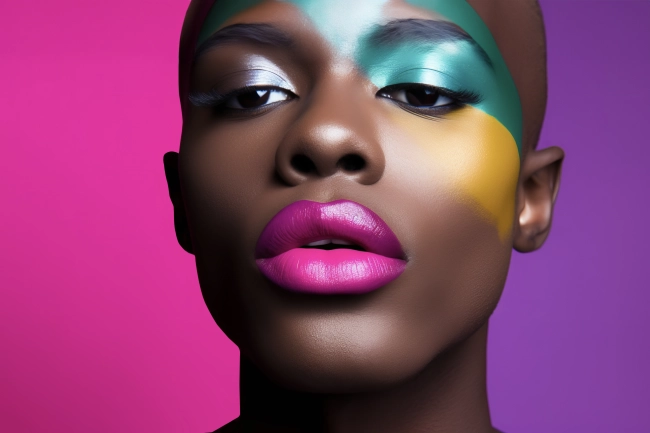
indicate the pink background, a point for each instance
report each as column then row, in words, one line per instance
column 102, row 324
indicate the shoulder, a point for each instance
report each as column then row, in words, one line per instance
column 232, row 427
column 242, row 426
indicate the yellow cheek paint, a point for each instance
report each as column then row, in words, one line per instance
column 476, row 154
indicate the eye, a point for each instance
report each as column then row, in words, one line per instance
column 255, row 98
column 418, row 96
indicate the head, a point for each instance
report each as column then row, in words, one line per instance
column 426, row 112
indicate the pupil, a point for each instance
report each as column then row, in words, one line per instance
column 254, row 99
column 421, row 97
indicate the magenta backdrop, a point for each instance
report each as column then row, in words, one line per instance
column 102, row 324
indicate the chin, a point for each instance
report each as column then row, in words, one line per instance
column 339, row 356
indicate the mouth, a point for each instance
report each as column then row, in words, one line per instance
column 340, row 247
column 333, row 244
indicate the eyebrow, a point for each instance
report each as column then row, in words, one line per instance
column 259, row 34
column 423, row 31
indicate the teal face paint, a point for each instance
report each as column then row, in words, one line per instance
column 456, row 65
column 341, row 25
column 219, row 14
column 453, row 65
column 508, row 111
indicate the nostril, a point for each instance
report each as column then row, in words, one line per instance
column 352, row 163
column 303, row 164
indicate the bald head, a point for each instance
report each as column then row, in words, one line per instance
column 518, row 28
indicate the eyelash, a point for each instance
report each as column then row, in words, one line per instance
column 217, row 100
column 459, row 99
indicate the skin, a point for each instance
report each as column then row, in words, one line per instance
column 456, row 190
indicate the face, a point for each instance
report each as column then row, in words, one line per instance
column 349, row 182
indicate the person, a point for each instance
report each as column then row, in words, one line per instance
column 352, row 179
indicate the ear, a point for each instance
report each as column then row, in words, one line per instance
column 170, row 161
column 537, row 191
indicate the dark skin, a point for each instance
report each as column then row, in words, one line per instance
column 409, row 357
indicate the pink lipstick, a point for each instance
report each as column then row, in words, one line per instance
column 340, row 247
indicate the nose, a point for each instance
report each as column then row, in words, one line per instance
column 334, row 135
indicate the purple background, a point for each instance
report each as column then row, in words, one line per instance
column 102, row 325
column 569, row 347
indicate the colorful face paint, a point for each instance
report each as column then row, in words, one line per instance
column 219, row 14
column 474, row 154
column 480, row 144
column 434, row 63
column 455, row 65
column 505, row 104
column 341, row 30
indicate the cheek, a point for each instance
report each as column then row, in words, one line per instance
column 474, row 156
column 224, row 168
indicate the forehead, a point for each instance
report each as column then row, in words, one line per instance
column 343, row 23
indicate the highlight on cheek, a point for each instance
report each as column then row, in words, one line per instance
column 476, row 155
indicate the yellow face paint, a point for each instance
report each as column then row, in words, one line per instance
column 478, row 156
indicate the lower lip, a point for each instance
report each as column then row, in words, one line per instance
column 330, row 272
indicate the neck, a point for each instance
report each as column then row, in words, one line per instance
column 448, row 395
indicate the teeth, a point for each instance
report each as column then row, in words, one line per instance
column 319, row 243
column 328, row 241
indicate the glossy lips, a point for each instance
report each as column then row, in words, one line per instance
column 343, row 270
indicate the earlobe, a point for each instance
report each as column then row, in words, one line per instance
column 170, row 160
column 537, row 191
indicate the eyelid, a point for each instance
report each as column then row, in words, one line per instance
column 232, row 99
column 252, row 78
column 417, row 75
column 460, row 96
column 216, row 99
column 240, row 82
column 427, row 76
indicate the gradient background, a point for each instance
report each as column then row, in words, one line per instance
column 102, row 325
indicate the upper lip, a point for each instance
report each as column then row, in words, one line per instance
column 303, row 222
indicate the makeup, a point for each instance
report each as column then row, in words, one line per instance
column 340, row 247
column 456, row 65
column 472, row 62
column 476, row 156
column 507, row 106
column 443, row 46
column 238, row 84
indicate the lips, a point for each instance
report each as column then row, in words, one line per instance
column 340, row 247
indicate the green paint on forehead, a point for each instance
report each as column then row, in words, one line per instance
column 341, row 22
column 219, row 14
column 453, row 65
